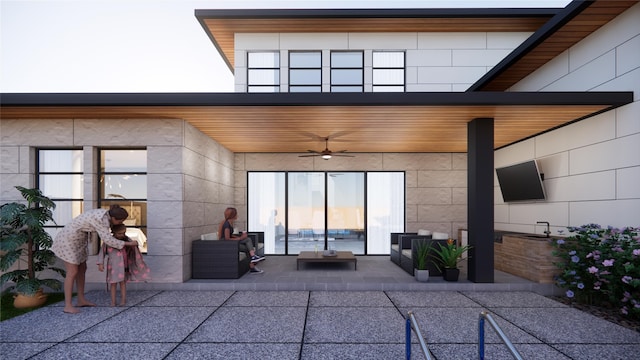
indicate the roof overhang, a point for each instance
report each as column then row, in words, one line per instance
column 554, row 30
column 365, row 122
column 575, row 22
column 222, row 25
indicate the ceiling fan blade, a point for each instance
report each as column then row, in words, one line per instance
column 338, row 134
column 326, row 153
column 332, row 137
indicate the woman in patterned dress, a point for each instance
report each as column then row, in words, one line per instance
column 70, row 245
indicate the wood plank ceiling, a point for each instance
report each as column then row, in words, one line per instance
column 363, row 129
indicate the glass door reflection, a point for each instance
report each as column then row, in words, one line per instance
column 345, row 211
column 306, row 212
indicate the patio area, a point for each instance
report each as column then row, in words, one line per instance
column 373, row 273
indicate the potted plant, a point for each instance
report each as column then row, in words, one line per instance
column 23, row 239
column 422, row 254
column 447, row 258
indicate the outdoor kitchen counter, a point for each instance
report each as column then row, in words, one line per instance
column 526, row 255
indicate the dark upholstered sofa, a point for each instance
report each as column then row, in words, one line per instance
column 396, row 249
column 222, row 259
column 403, row 250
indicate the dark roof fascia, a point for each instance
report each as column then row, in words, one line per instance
column 612, row 98
column 560, row 19
column 204, row 26
column 373, row 13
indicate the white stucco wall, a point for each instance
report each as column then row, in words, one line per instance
column 591, row 168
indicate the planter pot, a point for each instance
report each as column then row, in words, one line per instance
column 421, row 275
column 22, row 301
column 450, row 274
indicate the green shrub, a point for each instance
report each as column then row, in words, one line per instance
column 601, row 266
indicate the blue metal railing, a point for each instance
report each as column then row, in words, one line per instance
column 412, row 323
column 485, row 315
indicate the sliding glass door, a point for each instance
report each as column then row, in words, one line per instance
column 345, row 211
column 305, row 211
column 385, row 209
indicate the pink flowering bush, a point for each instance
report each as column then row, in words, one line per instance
column 601, row 266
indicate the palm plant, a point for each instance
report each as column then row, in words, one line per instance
column 448, row 256
column 24, row 238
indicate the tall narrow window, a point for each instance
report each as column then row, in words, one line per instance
column 123, row 181
column 388, row 71
column 385, row 209
column 347, row 71
column 305, row 71
column 263, row 72
column 60, row 177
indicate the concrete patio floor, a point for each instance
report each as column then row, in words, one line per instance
column 193, row 321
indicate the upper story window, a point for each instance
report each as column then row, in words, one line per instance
column 305, row 71
column 347, row 71
column 60, row 177
column 263, row 71
column 388, row 71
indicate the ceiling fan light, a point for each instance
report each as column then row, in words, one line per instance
column 326, row 156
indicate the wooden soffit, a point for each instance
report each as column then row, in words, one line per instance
column 361, row 123
column 575, row 22
column 221, row 25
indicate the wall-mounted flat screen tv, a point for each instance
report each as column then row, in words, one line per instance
column 521, row 182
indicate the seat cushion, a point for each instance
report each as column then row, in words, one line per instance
column 440, row 236
column 209, row 236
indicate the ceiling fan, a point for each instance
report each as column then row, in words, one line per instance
column 326, row 154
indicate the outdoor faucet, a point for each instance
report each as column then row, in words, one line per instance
column 546, row 232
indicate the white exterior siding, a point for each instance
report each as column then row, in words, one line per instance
column 592, row 167
column 434, row 61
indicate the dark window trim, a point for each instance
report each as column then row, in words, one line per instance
column 403, row 67
column 276, row 69
column 331, row 68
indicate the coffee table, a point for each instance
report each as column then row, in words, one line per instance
column 312, row 256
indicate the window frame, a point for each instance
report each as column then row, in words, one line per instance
column 336, row 87
column 384, row 87
column 59, row 200
column 303, row 87
column 264, row 88
column 104, row 200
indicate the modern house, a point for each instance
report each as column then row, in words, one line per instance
column 427, row 103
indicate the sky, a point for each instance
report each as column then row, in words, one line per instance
column 94, row 46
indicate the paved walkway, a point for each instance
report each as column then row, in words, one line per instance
column 312, row 324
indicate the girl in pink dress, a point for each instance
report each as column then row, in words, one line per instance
column 123, row 265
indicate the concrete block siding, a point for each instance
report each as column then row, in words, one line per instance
column 591, row 168
column 192, row 179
